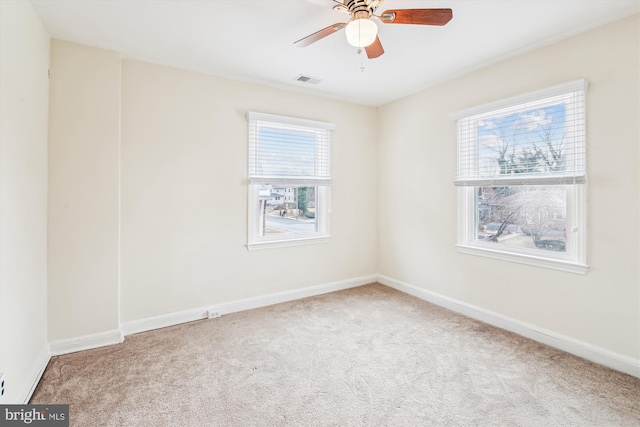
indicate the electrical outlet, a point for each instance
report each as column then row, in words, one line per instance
column 213, row 313
column 1, row 386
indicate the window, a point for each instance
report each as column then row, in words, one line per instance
column 521, row 178
column 289, row 181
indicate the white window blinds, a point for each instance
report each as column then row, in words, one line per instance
column 289, row 151
column 534, row 139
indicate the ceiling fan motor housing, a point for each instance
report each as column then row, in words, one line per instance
column 360, row 8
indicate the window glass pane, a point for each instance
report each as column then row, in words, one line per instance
column 530, row 141
column 285, row 152
column 287, row 210
column 524, row 216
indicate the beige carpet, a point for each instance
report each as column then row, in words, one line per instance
column 366, row 356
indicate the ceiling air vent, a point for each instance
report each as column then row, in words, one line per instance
column 308, row 79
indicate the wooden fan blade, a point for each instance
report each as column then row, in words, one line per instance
column 306, row 41
column 417, row 16
column 375, row 49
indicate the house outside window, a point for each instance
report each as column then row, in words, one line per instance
column 521, row 178
column 289, row 181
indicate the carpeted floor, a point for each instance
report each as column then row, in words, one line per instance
column 365, row 356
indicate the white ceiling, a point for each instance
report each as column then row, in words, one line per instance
column 253, row 40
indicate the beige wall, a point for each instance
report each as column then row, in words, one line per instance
column 24, row 93
column 417, row 166
column 184, row 193
column 84, row 144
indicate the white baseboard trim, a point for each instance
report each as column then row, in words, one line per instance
column 86, row 342
column 34, row 376
column 619, row 362
column 279, row 297
column 171, row 319
column 163, row 321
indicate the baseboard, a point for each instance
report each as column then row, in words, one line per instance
column 619, row 362
column 279, row 297
column 86, row 342
column 163, row 321
column 157, row 322
column 34, row 376
column 587, row 351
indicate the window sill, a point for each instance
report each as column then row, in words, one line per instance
column 289, row 242
column 556, row 264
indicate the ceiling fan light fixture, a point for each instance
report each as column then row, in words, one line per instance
column 361, row 32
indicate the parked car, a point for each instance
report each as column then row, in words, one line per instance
column 552, row 245
column 549, row 232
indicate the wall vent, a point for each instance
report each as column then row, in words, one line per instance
column 308, row 79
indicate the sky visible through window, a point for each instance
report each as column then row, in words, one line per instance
column 528, row 141
column 286, row 152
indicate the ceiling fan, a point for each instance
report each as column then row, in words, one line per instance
column 362, row 31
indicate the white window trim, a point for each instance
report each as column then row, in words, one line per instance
column 574, row 260
column 323, row 197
